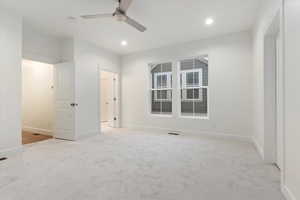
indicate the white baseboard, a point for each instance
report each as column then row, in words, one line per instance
column 38, row 130
column 258, row 147
column 7, row 152
column 287, row 193
column 192, row 132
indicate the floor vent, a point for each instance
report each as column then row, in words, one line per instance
column 2, row 159
column 173, row 133
column 36, row 134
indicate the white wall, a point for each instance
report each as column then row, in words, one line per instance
column 230, row 86
column 39, row 46
column 10, row 80
column 67, row 50
column 38, row 97
column 88, row 59
column 292, row 99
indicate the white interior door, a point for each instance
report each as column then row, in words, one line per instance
column 64, row 84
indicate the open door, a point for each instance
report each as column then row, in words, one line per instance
column 64, row 85
column 109, row 99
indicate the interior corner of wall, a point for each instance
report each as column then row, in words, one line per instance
column 258, row 147
column 287, row 193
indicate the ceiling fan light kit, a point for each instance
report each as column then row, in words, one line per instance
column 119, row 15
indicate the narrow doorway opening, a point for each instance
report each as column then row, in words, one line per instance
column 37, row 101
column 109, row 100
column 273, row 94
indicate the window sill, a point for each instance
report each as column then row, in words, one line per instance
column 194, row 117
column 161, row 100
column 161, row 115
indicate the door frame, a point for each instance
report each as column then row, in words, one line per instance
column 116, row 94
column 274, row 92
column 29, row 128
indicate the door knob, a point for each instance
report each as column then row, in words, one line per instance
column 74, row 104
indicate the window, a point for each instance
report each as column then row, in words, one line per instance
column 161, row 89
column 193, row 82
column 191, row 92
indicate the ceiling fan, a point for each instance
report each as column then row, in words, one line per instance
column 120, row 15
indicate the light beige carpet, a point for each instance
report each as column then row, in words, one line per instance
column 136, row 165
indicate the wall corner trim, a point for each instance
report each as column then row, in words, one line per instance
column 258, row 147
column 287, row 193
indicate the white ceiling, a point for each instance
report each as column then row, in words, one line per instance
column 168, row 21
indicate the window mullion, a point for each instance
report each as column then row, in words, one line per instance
column 161, row 79
column 193, row 88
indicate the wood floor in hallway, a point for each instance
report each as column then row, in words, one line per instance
column 30, row 137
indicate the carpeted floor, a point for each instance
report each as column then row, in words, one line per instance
column 139, row 165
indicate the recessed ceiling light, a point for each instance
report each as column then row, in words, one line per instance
column 209, row 21
column 124, row 43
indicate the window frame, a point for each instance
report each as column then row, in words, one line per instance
column 191, row 71
column 167, row 88
column 176, row 89
column 151, row 89
column 169, row 80
column 179, row 88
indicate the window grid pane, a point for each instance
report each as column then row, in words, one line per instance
column 161, row 92
column 193, row 81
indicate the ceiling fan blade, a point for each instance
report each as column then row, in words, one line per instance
column 135, row 24
column 97, row 16
column 124, row 4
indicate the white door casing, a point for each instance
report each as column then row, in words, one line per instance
column 111, row 103
column 279, row 104
column 104, row 101
column 64, row 85
column 115, row 101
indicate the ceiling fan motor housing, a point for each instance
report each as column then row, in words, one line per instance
column 120, row 15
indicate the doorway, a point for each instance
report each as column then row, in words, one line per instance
column 109, row 100
column 37, row 101
column 273, row 87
